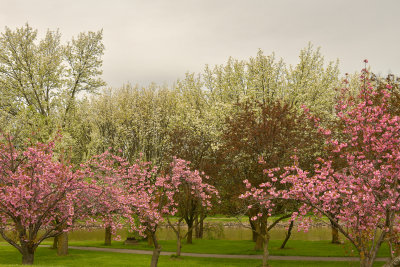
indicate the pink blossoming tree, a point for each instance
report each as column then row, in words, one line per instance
column 362, row 197
column 150, row 197
column 193, row 196
column 40, row 196
column 268, row 201
column 106, row 173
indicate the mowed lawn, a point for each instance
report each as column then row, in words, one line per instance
column 47, row 257
column 245, row 247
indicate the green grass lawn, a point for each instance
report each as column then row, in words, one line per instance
column 47, row 257
column 293, row 247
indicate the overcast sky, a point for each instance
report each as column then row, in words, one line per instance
column 160, row 40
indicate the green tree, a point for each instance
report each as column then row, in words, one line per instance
column 41, row 79
column 313, row 83
column 132, row 120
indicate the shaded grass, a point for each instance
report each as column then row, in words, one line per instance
column 245, row 247
column 47, row 257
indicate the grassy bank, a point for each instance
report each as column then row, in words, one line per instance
column 47, row 257
column 244, row 247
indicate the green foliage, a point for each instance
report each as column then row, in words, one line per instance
column 192, row 128
column 264, row 78
column 313, row 84
column 132, row 120
column 40, row 80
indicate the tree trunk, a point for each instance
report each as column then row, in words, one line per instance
column 178, row 246
column 196, row 227
column 367, row 257
column 189, row 239
column 27, row 258
column 149, row 239
column 253, row 228
column 335, row 234
column 395, row 262
column 156, row 251
column 177, row 231
column 201, row 225
column 259, row 240
column 288, row 234
column 201, row 228
column 107, row 238
column 55, row 241
column 366, row 261
column 265, row 251
column 178, row 238
column 62, row 244
column 28, row 254
column 259, row 243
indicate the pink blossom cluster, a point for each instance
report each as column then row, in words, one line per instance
column 191, row 183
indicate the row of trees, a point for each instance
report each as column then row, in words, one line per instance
column 43, row 196
column 194, row 119
column 222, row 121
column 355, row 185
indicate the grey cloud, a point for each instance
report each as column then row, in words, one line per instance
column 160, row 40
